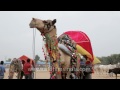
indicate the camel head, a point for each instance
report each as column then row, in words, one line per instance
column 42, row 25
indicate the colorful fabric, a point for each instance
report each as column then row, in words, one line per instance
column 82, row 40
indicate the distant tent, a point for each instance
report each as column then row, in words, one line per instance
column 25, row 58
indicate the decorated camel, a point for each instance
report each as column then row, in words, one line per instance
column 15, row 68
column 61, row 51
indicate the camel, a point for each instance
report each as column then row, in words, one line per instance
column 15, row 68
column 60, row 61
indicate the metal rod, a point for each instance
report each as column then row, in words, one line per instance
column 34, row 50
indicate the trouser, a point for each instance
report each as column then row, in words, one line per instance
column 1, row 77
column 87, row 76
column 32, row 75
column 28, row 76
column 22, row 74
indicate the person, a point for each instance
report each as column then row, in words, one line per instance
column 22, row 73
column 88, row 71
column 27, row 69
column 2, row 70
column 82, row 63
column 82, row 67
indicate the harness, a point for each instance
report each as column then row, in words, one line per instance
column 51, row 45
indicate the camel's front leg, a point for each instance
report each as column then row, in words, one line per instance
column 11, row 74
column 68, row 75
column 19, row 75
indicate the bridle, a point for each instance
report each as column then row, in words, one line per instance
column 46, row 29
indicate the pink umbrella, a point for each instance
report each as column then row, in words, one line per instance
column 81, row 39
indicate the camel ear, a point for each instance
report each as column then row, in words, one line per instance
column 54, row 21
column 33, row 18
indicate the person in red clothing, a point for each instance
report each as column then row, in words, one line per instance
column 27, row 69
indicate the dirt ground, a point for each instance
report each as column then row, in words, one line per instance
column 38, row 75
column 46, row 75
column 104, row 76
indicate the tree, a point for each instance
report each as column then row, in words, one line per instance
column 37, row 58
column 113, row 59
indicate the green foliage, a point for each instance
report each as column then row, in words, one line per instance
column 113, row 59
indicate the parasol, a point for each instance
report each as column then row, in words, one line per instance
column 83, row 43
column 25, row 58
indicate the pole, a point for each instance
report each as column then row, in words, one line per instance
column 34, row 50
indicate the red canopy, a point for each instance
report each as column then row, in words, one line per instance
column 81, row 39
column 25, row 58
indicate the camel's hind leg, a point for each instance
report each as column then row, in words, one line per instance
column 18, row 75
column 11, row 71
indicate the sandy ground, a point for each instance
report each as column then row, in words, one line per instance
column 46, row 75
column 38, row 75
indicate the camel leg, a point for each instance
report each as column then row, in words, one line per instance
column 19, row 75
column 82, row 75
column 112, row 74
column 65, row 60
column 68, row 75
column 58, row 76
column 116, row 76
column 11, row 74
column 88, row 76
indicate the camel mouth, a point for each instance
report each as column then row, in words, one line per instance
column 31, row 26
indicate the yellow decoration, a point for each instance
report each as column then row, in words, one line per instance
column 54, row 56
column 96, row 60
column 82, row 51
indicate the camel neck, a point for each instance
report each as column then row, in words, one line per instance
column 51, row 33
